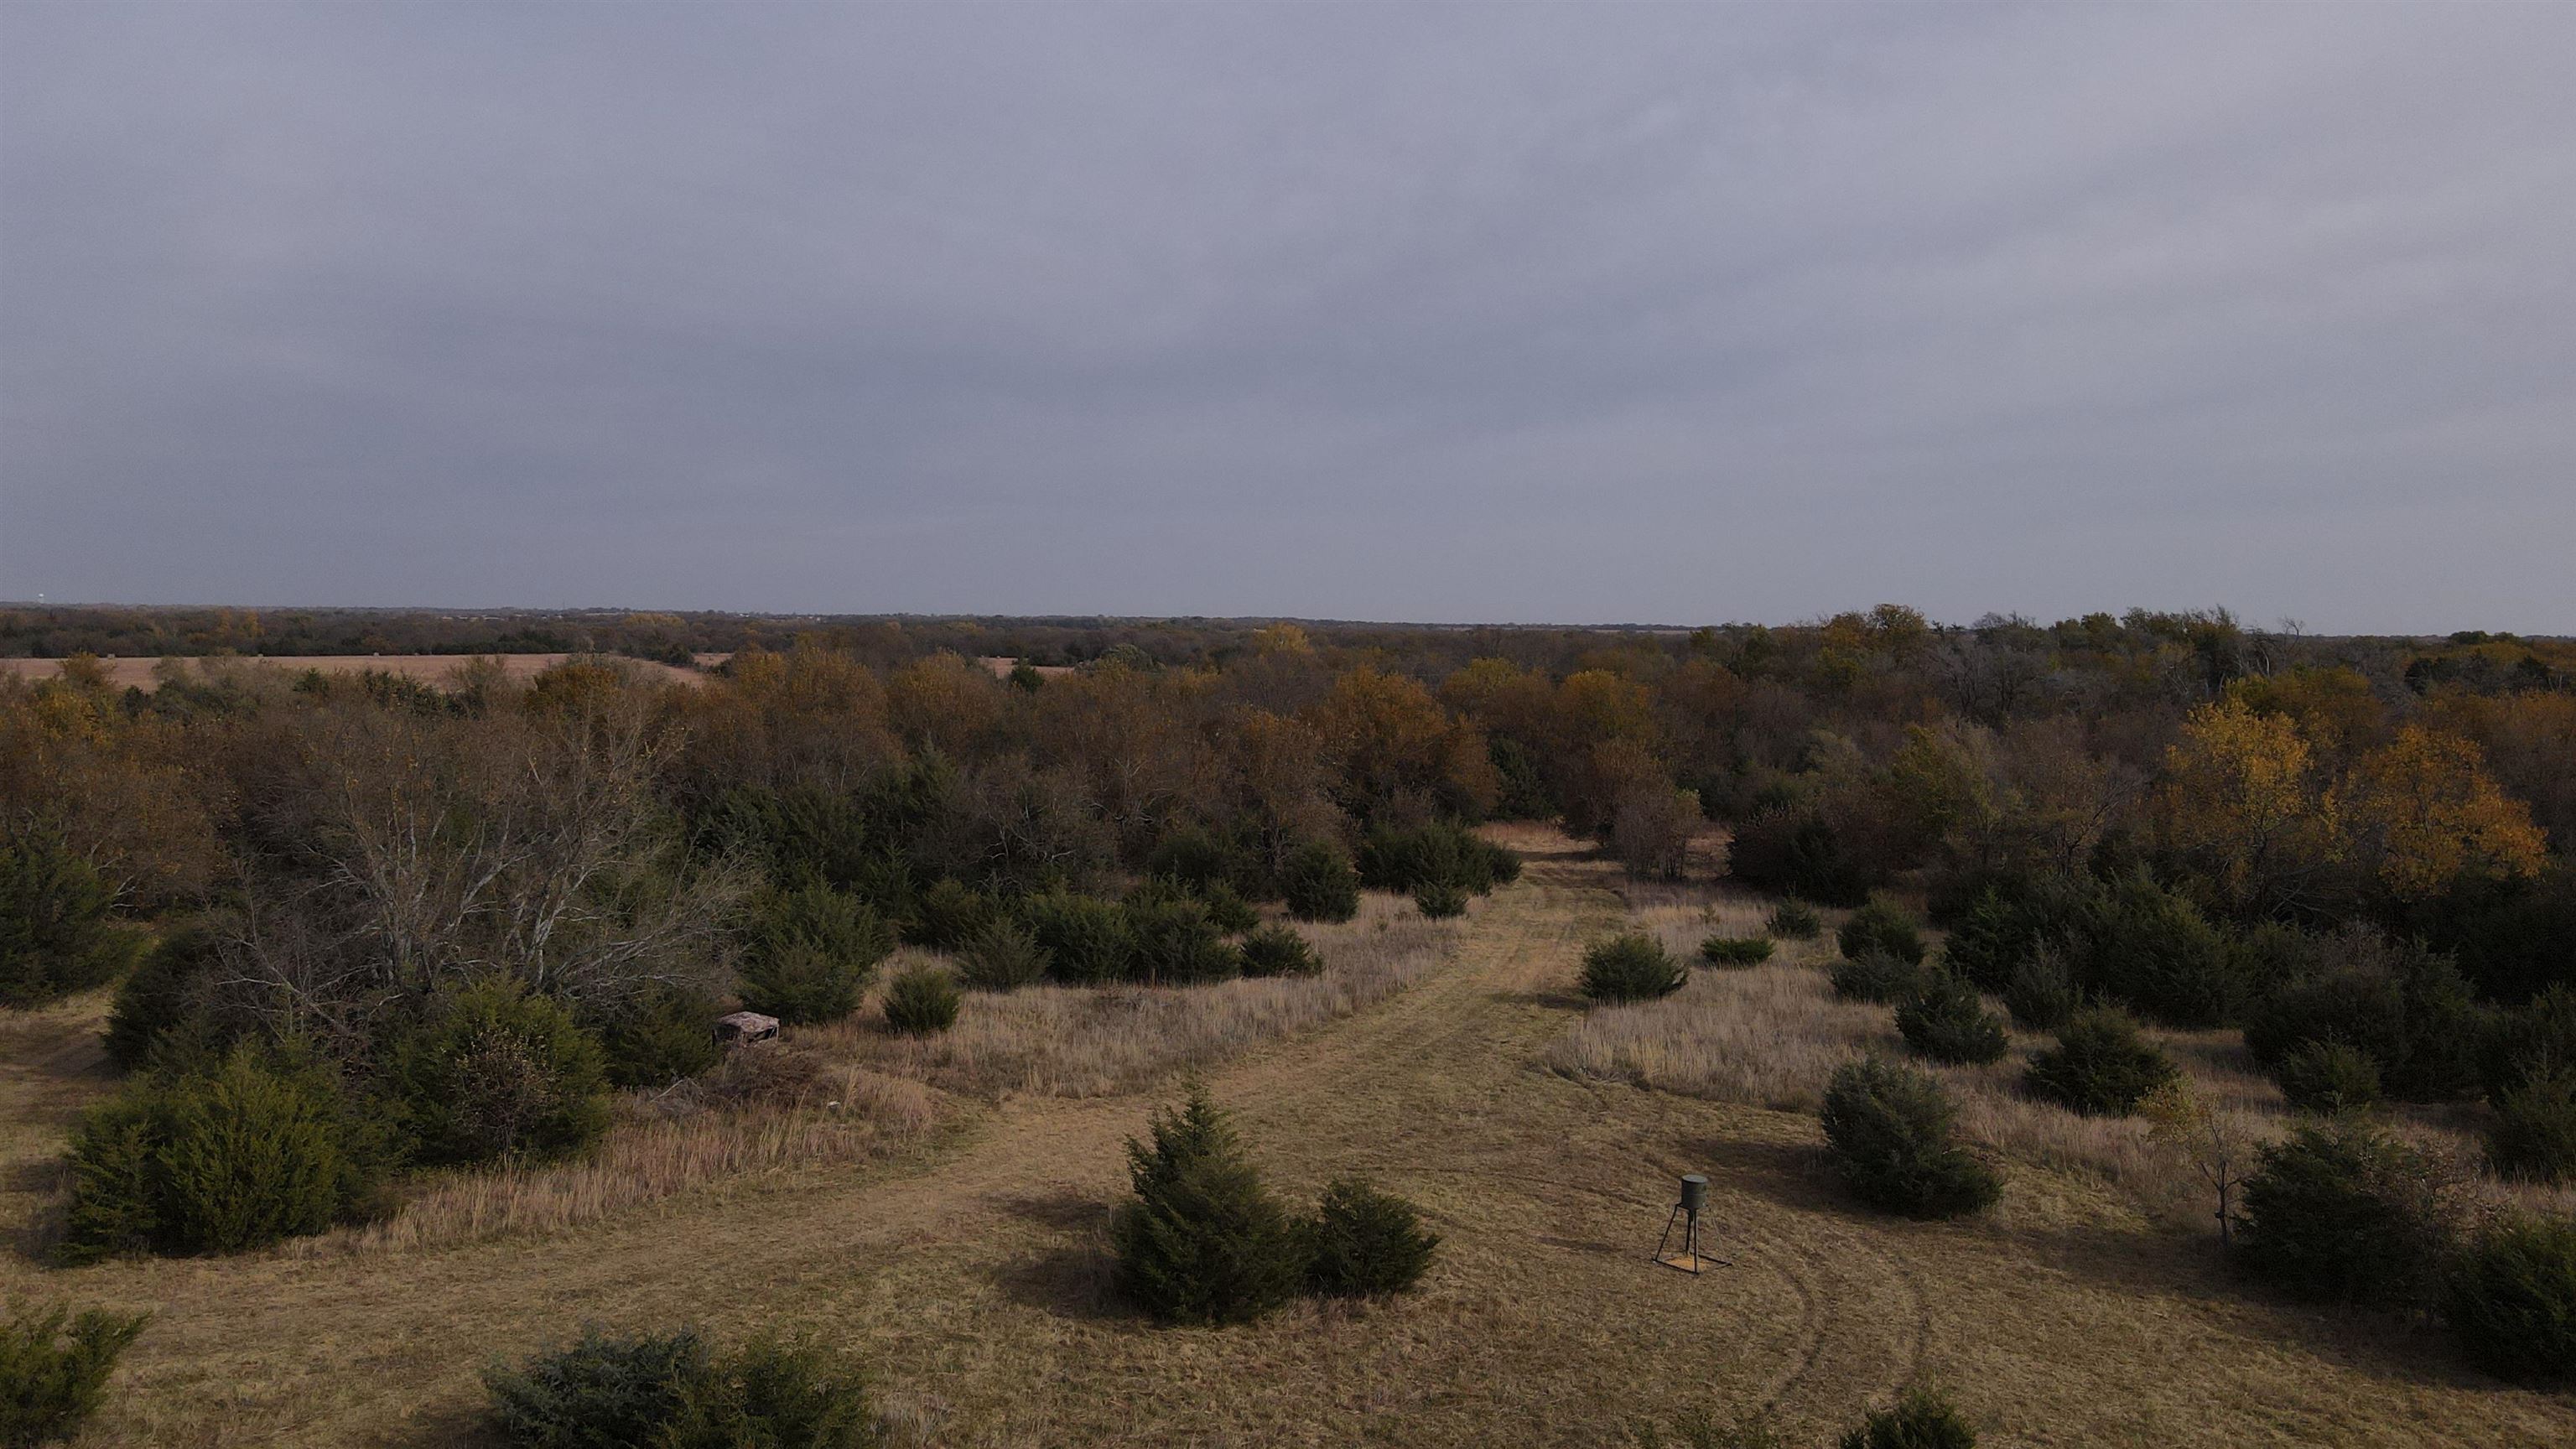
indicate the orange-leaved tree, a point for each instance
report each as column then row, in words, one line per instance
column 1392, row 740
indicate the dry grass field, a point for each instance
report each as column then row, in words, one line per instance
column 1770, row 1036
column 966, row 1264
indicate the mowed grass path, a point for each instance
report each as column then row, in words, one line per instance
column 972, row 1278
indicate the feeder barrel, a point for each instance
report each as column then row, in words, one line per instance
column 1694, row 1193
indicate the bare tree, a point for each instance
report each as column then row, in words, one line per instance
column 2217, row 1142
column 430, row 850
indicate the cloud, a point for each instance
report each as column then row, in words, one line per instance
column 1459, row 313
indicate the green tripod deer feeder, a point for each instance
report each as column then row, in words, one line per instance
column 1685, row 1215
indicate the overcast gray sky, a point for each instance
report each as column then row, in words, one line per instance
column 1566, row 313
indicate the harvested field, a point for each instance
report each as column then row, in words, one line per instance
column 145, row 673
column 1002, row 664
column 970, row 1274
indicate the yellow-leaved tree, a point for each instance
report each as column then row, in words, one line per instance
column 2241, row 798
column 2335, row 708
column 2422, row 809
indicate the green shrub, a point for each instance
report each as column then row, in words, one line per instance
column 1989, row 943
column 238, row 1157
column 1198, row 860
column 2344, row 1211
column 1879, row 926
column 1735, row 950
column 1088, row 941
column 1392, row 859
column 1630, row 967
column 602, row 1391
column 2511, row 1300
column 1795, row 921
column 810, row 954
column 950, row 914
column 54, row 1368
column 1319, row 883
column 121, row 1193
column 162, row 997
column 1890, row 1130
column 1228, row 909
column 1004, row 956
column 802, row 984
column 2154, row 951
column 799, row 833
column 498, row 1072
column 2539, row 1034
column 659, row 1038
column 56, row 932
column 1922, row 1419
column 2405, row 1008
column 1947, row 1021
column 671, row 1391
column 1439, row 900
column 2510, row 933
column 2270, row 954
column 2533, row 1134
column 882, row 881
column 922, row 1001
column 1224, row 904
column 2328, row 1077
column 1155, row 891
column 783, row 1392
column 1440, row 853
column 2101, row 1066
column 1203, row 1241
column 1177, row 944
column 262, row 1149
column 1875, row 976
column 2042, row 994
column 1795, row 852
column 1280, row 951
column 1363, row 1242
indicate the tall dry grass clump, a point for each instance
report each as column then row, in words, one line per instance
column 662, row 1148
column 1766, row 1036
column 1769, row 1036
column 1093, row 1041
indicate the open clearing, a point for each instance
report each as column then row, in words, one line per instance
column 969, row 1271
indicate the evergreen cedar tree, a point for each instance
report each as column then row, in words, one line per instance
column 1203, row 1241
column 1890, row 1128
